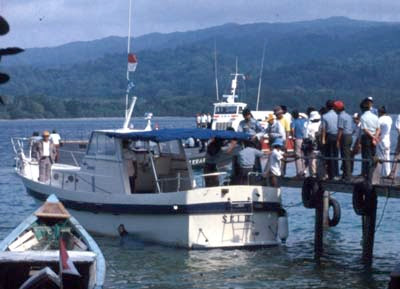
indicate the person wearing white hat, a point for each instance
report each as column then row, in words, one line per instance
column 311, row 140
column 395, row 167
column 383, row 147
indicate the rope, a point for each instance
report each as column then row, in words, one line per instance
column 383, row 213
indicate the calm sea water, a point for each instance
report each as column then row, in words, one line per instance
column 132, row 264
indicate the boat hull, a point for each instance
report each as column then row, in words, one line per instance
column 198, row 219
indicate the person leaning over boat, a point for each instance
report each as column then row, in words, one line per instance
column 45, row 153
column 383, row 148
column 247, row 160
column 213, row 153
column 394, row 171
column 369, row 138
column 344, row 138
column 249, row 124
column 273, row 170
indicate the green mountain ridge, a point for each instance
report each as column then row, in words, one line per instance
column 305, row 64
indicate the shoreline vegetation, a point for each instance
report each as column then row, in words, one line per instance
column 306, row 63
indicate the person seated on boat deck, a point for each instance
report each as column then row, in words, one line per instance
column 247, row 160
column 46, row 153
column 250, row 125
column 273, row 170
column 213, row 154
column 130, row 164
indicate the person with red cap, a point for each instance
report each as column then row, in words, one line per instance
column 344, row 138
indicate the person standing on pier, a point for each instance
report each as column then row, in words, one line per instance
column 383, row 148
column 394, row 171
column 298, row 130
column 369, row 138
column 285, row 122
column 356, row 146
column 274, row 130
column 46, row 153
column 344, row 138
column 329, row 140
column 311, row 141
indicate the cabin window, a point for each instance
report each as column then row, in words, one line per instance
column 105, row 145
column 170, row 147
column 92, row 145
column 226, row 110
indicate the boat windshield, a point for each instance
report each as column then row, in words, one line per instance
column 226, row 109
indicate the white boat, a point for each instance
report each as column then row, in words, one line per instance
column 30, row 254
column 228, row 113
column 167, row 204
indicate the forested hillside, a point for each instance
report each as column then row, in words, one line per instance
column 305, row 64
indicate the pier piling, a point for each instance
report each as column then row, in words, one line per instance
column 319, row 224
column 395, row 278
column 368, row 229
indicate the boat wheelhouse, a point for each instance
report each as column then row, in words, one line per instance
column 162, row 200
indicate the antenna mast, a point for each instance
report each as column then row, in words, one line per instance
column 261, row 71
column 216, row 68
column 128, row 51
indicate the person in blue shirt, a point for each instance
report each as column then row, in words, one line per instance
column 344, row 138
column 249, row 124
column 329, row 140
column 298, row 130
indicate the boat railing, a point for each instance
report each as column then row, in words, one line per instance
column 70, row 157
column 178, row 183
column 21, row 145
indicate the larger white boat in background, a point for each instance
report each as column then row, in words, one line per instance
column 168, row 204
column 228, row 113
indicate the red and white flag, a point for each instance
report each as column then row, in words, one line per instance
column 66, row 264
column 132, row 62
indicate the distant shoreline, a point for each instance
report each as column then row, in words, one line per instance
column 91, row 118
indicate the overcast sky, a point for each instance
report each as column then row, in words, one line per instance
column 38, row 23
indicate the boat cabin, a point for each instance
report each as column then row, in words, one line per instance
column 227, row 114
column 126, row 162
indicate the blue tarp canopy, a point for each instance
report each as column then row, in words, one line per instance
column 163, row 135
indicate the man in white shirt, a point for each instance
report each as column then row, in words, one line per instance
column 383, row 148
column 273, row 169
column 370, row 132
column 45, row 152
column 395, row 167
column 55, row 139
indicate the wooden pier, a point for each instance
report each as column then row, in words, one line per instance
column 384, row 188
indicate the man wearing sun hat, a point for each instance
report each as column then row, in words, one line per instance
column 46, row 154
column 274, row 129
